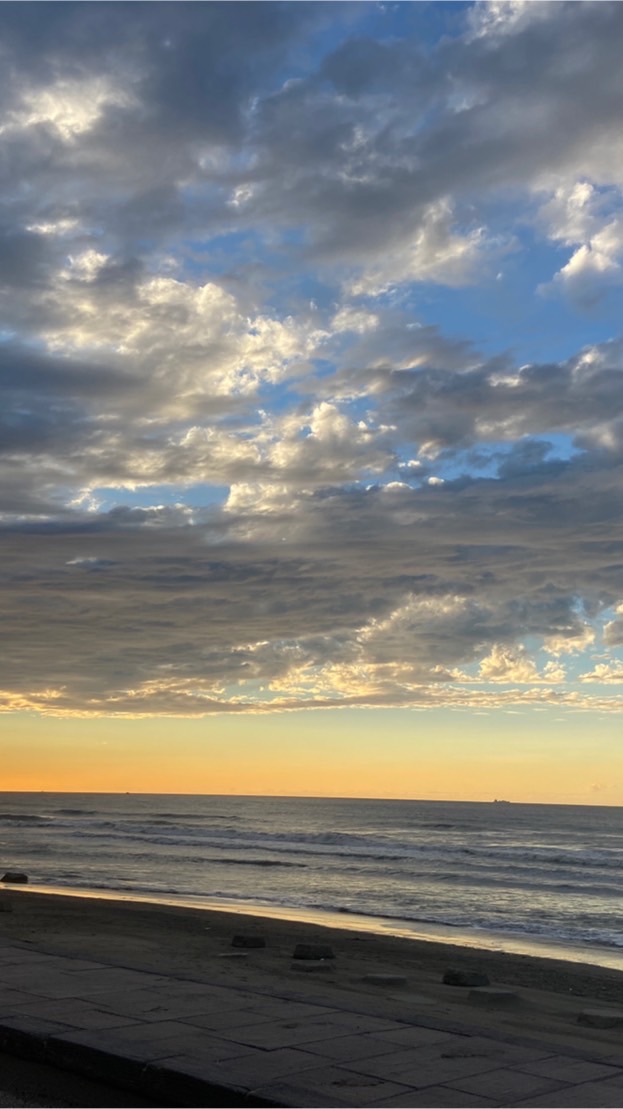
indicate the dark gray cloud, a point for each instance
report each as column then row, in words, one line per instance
column 493, row 400
column 387, row 589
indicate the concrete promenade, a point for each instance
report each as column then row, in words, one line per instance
column 186, row 1043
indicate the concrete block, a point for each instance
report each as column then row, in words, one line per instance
column 464, row 978
column 601, row 1018
column 313, row 951
column 248, row 941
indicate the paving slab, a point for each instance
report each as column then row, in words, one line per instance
column 336, row 1086
column 615, row 1083
column 588, row 1095
column 436, row 1097
column 433, row 1064
column 512, row 1054
column 566, row 1069
column 102, row 979
column 286, row 1033
column 154, row 1004
column 196, row 1044
column 257, row 1011
column 255, row 1071
column 157, row 1041
column 95, row 1056
column 27, row 1036
column 181, row 1082
column 413, row 1036
column 14, row 998
column 351, row 1048
column 229, row 1020
column 505, row 1084
column 43, row 983
column 615, row 1060
column 74, row 1012
column 32, row 1025
column 412, row 1068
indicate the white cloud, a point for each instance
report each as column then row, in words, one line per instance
column 71, row 106
column 582, row 216
column 574, row 638
column 190, row 341
column 605, row 672
column 506, row 17
column 513, row 664
column 350, row 318
column 437, row 251
column 62, row 226
column 613, row 629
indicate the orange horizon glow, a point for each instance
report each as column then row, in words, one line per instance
column 363, row 754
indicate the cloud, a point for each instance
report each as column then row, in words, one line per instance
column 613, row 629
column 592, row 222
column 437, row 251
column 256, row 451
column 360, row 597
column 490, row 400
column 605, row 672
column 515, row 665
column 496, row 18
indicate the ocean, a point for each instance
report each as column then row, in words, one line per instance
column 545, row 878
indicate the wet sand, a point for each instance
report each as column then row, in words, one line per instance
column 197, row 944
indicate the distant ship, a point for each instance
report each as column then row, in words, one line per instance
column 500, row 802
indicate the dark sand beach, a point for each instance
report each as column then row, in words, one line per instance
column 197, row 944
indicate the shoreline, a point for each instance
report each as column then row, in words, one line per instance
column 195, row 944
column 504, row 943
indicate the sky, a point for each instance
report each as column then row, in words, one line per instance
column 311, row 398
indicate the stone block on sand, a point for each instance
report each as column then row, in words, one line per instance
column 313, row 951
column 248, row 941
column 489, row 995
column 385, row 979
column 601, row 1018
column 465, row 978
column 311, row 966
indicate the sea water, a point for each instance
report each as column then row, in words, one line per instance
column 552, row 874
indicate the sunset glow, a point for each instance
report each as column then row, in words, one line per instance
column 311, row 412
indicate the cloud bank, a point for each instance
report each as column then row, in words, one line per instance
column 310, row 389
